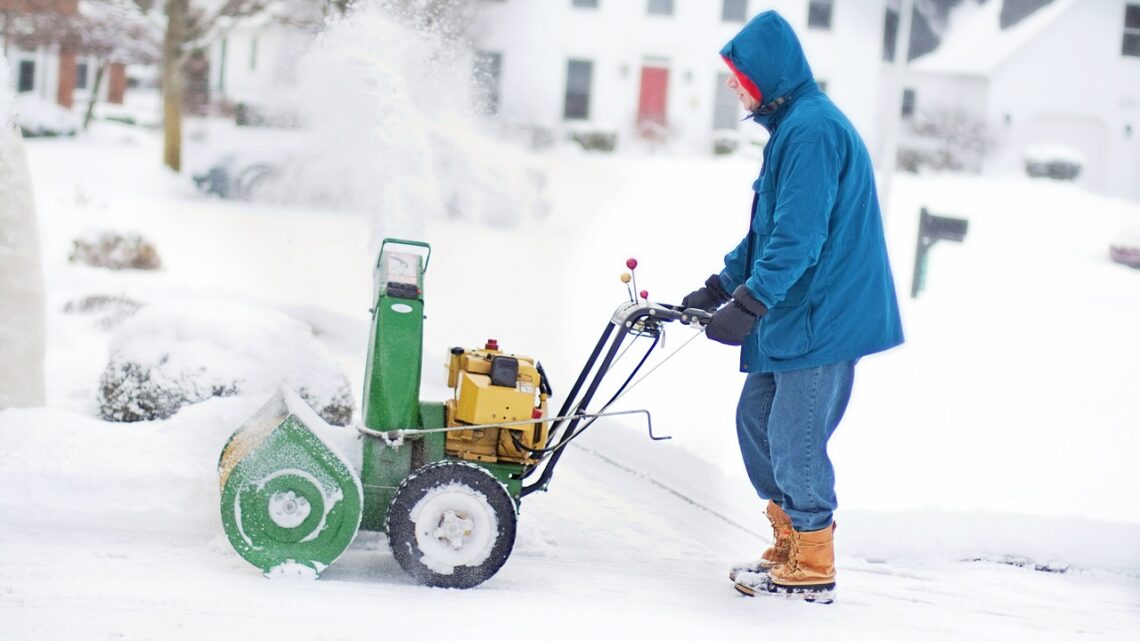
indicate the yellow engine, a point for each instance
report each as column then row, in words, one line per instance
column 494, row 387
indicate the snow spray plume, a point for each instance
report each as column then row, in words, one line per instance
column 387, row 98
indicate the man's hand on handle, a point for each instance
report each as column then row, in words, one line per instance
column 731, row 324
column 709, row 297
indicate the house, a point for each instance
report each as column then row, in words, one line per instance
column 1066, row 75
column 254, row 59
column 628, row 68
column 651, row 69
column 48, row 70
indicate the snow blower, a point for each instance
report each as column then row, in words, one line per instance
column 443, row 480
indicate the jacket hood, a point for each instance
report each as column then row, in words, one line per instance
column 768, row 52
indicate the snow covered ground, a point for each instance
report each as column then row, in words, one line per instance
column 1000, row 439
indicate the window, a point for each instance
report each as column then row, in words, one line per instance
column 734, row 11
column 819, row 14
column 578, row 75
column 585, row 4
column 660, row 7
column 1131, row 46
column 908, row 102
column 81, row 75
column 890, row 34
column 726, row 108
column 488, row 67
column 27, row 76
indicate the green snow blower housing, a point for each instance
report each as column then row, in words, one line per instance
column 295, row 490
column 442, row 479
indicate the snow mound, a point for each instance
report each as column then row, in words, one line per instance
column 168, row 357
column 7, row 102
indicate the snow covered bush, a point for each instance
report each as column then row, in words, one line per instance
column 113, row 250
column 109, row 311
column 39, row 118
column 1053, row 161
column 725, row 141
column 951, row 139
column 167, row 357
column 595, row 140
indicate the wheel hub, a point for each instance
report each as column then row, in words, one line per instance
column 454, row 528
column 288, row 510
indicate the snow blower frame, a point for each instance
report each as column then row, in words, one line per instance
column 443, row 480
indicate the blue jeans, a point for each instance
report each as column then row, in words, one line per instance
column 784, row 420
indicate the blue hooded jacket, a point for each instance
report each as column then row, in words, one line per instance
column 815, row 253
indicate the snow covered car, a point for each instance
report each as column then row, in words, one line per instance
column 1125, row 248
column 236, row 177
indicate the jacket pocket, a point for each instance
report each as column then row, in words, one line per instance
column 765, row 205
column 786, row 330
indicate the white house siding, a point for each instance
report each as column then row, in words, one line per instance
column 1072, row 86
column 537, row 38
column 251, row 63
column 847, row 57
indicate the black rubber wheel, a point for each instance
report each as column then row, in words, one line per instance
column 451, row 524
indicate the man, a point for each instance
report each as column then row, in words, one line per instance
column 811, row 293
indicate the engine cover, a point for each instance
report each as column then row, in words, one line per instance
column 494, row 387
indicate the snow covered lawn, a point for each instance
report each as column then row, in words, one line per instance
column 999, row 439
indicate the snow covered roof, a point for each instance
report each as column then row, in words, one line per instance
column 974, row 42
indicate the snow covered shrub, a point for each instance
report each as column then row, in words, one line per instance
column 115, row 251
column 725, row 142
column 954, row 139
column 910, row 159
column 1053, row 161
column 109, row 311
column 39, row 118
column 165, row 358
column 595, row 140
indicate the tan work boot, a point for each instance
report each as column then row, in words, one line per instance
column 809, row 572
column 777, row 553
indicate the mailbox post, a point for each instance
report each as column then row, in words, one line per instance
column 931, row 229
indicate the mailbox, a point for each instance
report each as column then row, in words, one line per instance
column 932, row 229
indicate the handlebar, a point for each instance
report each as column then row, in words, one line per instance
column 630, row 314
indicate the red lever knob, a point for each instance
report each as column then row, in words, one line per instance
column 631, row 263
column 645, row 294
column 492, row 344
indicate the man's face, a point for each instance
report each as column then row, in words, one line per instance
column 742, row 94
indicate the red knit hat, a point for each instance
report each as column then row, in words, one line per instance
column 745, row 81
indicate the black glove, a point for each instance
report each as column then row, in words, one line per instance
column 732, row 323
column 709, row 297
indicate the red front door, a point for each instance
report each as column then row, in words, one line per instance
column 654, row 91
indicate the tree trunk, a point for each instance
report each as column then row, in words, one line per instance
column 94, row 94
column 23, row 324
column 172, row 83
